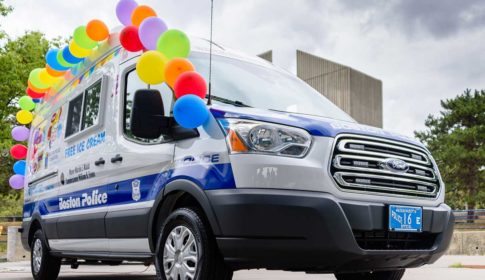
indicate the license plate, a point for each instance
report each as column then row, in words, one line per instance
column 405, row 218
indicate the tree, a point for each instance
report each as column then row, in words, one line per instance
column 456, row 139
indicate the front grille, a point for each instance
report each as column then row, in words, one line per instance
column 386, row 240
column 359, row 164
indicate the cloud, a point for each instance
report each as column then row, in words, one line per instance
column 440, row 18
column 422, row 50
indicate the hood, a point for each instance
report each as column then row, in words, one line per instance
column 315, row 125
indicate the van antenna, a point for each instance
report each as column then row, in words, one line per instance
column 210, row 54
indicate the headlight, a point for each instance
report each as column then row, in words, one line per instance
column 244, row 136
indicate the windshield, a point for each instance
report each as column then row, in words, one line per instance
column 247, row 84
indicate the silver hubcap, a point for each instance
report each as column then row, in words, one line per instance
column 180, row 255
column 37, row 256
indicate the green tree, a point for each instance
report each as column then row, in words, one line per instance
column 456, row 139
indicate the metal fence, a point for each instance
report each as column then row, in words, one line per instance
column 470, row 219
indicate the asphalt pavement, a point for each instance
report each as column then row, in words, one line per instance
column 441, row 270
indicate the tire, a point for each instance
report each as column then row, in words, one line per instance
column 43, row 265
column 187, row 247
column 378, row 275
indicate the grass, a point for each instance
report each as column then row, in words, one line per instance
column 456, row 265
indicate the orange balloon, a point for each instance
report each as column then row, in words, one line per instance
column 52, row 72
column 97, row 30
column 36, row 89
column 141, row 13
column 175, row 68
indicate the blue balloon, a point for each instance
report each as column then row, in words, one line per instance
column 69, row 58
column 190, row 111
column 51, row 59
column 37, row 100
column 19, row 167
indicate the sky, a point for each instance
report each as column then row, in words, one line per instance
column 423, row 51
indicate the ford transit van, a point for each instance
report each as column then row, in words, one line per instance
column 278, row 178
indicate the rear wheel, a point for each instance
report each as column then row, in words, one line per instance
column 43, row 265
column 378, row 275
column 187, row 250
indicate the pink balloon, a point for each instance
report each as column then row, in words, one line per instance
column 17, row 182
column 150, row 30
column 20, row 133
column 124, row 9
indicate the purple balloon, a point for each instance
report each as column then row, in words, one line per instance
column 149, row 32
column 17, row 182
column 20, row 133
column 124, row 9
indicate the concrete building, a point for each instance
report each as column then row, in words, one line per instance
column 358, row 94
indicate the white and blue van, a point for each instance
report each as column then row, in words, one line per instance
column 278, row 178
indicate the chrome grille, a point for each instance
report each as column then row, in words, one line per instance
column 358, row 164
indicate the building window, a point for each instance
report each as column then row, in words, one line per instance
column 132, row 85
column 84, row 110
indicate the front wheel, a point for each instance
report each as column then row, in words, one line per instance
column 43, row 265
column 378, row 275
column 187, row 250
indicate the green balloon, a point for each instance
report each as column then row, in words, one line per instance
column 26, row 103
column 174, row 43
column 34, row 78
column 62, row 61
column 82, row 39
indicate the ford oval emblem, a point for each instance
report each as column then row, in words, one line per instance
column 396, row 165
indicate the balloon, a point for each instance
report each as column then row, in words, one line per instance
column 151, row 67
column 33, row 93
column 51, row 58
column 174, row 43
column 62, row 61
column 140, row 13
column 77, row 51
column 19, row 167
column 18, row 151
column 46, row 78
column 32, row 87
column 190, row 111
column 190, row 83
column 82, row 39
column 24, row 117
column 69, row 57
column 130, row 40
column 97, row 30
column 17, row 181
column 54, row 73
column 124, row 9
column 175, row 68
column 20, row 133
column 37, row 100
column 34, row 79
column 26, row 103
column 150, row 30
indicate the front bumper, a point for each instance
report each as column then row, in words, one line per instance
column 316, row 232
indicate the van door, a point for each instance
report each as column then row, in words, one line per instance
column 139, row 165
column 83, row 196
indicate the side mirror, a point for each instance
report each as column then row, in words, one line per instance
column 147, row 115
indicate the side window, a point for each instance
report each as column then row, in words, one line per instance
column 84, row 110
column 132, row 84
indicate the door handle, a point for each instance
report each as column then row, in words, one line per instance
column 99, row 162
column 117, row 158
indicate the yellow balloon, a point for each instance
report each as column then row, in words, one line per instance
column 77, row 51
column 24, row 117
column 151, row 67
column 46, row 78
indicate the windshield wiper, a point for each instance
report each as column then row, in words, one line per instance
column 236, row 103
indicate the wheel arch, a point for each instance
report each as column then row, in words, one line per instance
column 175, row 194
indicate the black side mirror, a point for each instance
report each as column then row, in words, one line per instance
column 147, row 114
column 148, row 119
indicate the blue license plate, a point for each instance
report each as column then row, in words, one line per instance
column 405, row 218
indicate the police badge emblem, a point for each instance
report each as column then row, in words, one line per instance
column 135, row 190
